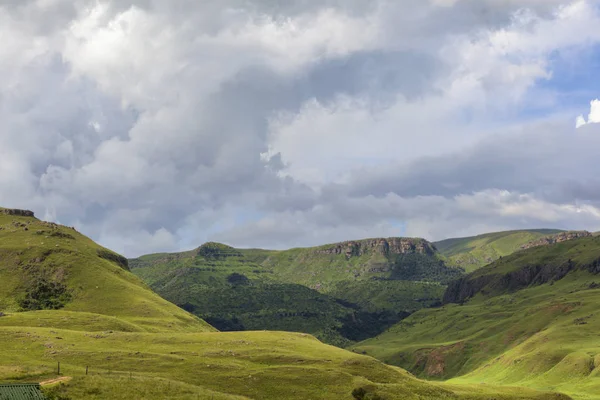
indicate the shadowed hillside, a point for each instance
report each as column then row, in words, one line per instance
column 341, row 293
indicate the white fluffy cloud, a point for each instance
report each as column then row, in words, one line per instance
column 490, row 73
column 593, row 117
column 157, row 125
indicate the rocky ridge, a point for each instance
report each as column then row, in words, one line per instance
column 16, row 212
column 558, row 238
column 384, row 247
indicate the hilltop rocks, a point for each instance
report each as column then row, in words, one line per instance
column 558, row 238
column 16, row 212
column 383, row 247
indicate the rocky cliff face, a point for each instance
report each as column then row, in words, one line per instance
column 531, row 275
column 384, row 247
column 529, row 268
column 16, row 212
column 558, row 238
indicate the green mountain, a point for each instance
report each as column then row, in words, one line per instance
column 45, row 266
column 471, row 253
column 529, row 319
column 69, row 303
column 342, row 293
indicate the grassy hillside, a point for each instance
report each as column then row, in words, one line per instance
column 340, row 293
column 48, row 266
column 474, row 252
column 319, row 268
column 67, row 300
column 240, row 365
column 529, row 319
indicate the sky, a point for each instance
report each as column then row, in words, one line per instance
column 156, row 126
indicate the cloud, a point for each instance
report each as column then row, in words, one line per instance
column 537, row 175
column 154, row 126
column 433, row 217
column 593, row 117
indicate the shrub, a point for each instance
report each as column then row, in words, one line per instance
column 237, row 279
column 359, row 393
column 43, row 294
column 362, row 394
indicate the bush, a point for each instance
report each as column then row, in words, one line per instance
column 44, row 294
column 359, row 393
column 236, row 279
column 362, row 394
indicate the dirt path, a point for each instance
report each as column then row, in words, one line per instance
column 55, row 380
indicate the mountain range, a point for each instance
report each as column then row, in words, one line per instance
column 414, row 323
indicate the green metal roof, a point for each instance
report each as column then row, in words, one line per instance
column 24, row 391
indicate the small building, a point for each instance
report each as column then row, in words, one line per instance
column 21, row 391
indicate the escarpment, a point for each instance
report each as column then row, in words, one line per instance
column 532, row 267
column 530, row 275
column 558, row 238
column 384, row 247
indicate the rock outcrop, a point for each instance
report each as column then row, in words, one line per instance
column 16, row 212
column 558, row 238
column 384, row 247
column 531, row 275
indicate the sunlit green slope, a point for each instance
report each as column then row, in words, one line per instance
column 48, row 266
column 232, row 365
column 474, row 252
column 530, row 319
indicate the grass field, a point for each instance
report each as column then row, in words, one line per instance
column 257, row 365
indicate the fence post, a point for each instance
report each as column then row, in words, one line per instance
column 86, row 370
column 58, row 369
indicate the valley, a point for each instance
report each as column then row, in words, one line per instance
column 341, row 293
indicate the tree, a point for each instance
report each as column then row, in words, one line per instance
column 236, row 279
